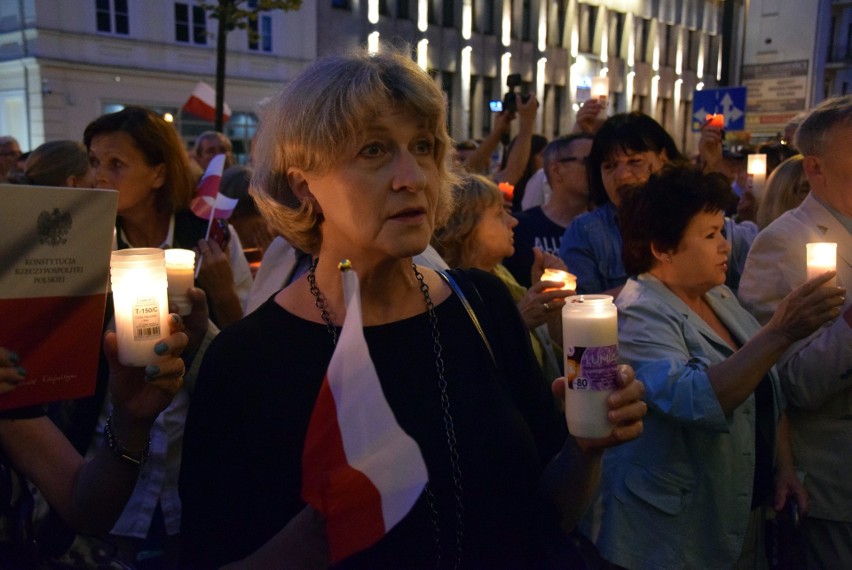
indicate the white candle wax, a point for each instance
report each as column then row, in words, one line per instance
column 180, row 269
column 138, row 279
column 569, row 281
column 590, row 340
column 600, row 91
column 600, row 87
column 822, row 257
column 757, row 174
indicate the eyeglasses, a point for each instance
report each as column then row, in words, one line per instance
column 580, row 159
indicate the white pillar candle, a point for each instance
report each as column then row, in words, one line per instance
column 757, row 174
column 600, row 88
column 590, row 341
column 822, row 257
column 180, row 269
column 600, row 91
column 569, row 281
column 139, row 289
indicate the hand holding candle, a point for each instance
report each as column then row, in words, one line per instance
column 821, row 257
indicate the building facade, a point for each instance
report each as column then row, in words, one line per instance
column 796, row 54
column 64, row 62
column 654, row 53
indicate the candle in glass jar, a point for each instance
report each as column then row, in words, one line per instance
column 590, row 341
column 139, row 292
column 569, row 281
column 180, row 269
column 600, row 88
column 600, row 91
column 757, row 173
column 822, row 257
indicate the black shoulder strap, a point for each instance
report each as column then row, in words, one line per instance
column 458, row 291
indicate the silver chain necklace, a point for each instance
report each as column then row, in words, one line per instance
column 449, row 426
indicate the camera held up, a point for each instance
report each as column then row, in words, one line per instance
column 512, row 81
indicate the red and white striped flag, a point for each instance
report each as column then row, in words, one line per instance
column 359, row 468
column 202, row 103
column 209, row 203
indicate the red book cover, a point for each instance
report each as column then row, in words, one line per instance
column 54, row 274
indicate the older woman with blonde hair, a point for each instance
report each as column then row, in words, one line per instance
column 352, row 163
column 786, row 187
column 479, row 234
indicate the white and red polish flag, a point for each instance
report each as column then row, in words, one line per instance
column 359, row 468
column 202, row 103
column 208, row 202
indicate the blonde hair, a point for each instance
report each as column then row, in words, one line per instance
column 786, row 187
column 319, row 114
column 473, row 196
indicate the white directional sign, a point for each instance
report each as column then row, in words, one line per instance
column 729, row 102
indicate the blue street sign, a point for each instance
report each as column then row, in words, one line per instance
column 729, row 102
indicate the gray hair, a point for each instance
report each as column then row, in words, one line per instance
column 813, row 134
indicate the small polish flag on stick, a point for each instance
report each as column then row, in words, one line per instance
column 359, row 468
column 202, row 103
column 210, row 204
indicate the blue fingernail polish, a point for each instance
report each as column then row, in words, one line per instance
column 14, row 358
column 161, row 348
column 152, row 370
column 22, row 371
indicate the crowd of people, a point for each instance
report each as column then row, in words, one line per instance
column 733, row 392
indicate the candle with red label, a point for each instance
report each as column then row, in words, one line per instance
column 717, row 120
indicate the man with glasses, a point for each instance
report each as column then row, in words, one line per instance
column 542, row 227
column 9, row 153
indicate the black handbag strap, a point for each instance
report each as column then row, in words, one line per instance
column 470, row 312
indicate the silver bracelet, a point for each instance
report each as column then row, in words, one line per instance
column 122, row 452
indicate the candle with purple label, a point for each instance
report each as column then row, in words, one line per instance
column 590, row 341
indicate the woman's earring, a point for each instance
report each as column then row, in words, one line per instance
column 668, row 258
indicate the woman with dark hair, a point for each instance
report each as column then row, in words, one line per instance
column 627, row 149
column 689, row 493
column 139, row 154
